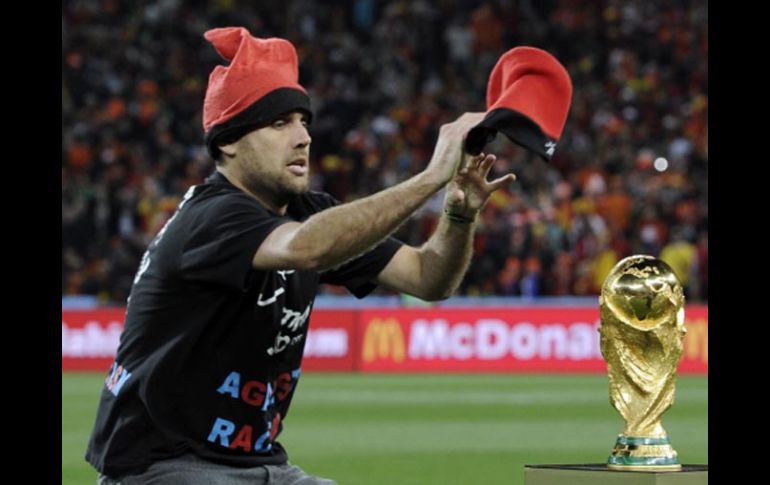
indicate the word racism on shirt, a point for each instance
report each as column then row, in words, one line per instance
column 260, row 395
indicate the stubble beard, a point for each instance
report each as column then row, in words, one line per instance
column 277, row 188
column 297, row 186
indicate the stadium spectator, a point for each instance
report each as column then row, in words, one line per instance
column 384, row 75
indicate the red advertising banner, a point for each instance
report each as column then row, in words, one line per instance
column 696, row 342
column 90, row 339
column 523, row 339
column 534, row 339
column 330, row 341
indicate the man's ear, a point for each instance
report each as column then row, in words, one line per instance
column 228, row 149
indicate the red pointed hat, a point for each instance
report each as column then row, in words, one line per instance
column 528, row 98
column 261, row 83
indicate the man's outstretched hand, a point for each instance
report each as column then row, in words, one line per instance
column 469, row 190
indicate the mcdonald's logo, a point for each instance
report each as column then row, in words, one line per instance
column 696, row 341
column 384, row 339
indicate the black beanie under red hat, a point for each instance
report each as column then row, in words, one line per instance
column 261, row 83
column 528, row 98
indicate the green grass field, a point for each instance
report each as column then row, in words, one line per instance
column 433, row 429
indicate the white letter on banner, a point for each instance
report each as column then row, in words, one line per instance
column 461, row 338
column 524, row 341
column 581, row 341
column 553, row 336
column 429, row 340
column 491, row 338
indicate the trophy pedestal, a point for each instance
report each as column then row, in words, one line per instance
column 599, row 474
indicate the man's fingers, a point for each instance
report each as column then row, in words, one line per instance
column 476, row 161
column 470, row 162
column 480, row 162
column 501, row 182
column 486, row 164
column 470, row 119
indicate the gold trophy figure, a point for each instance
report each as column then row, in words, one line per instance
column 642, row 329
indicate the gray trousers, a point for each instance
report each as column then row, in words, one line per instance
column 189, row 469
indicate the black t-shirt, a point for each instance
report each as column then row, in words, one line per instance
column 211, row 350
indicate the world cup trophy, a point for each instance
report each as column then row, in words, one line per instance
column 642, row 332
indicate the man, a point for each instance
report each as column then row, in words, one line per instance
column 219, row 309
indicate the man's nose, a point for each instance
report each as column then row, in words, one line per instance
column 302, row 137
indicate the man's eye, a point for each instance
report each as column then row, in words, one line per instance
column 279, row 123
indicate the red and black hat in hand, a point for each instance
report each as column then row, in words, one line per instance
column 260, row 84
column 528, row 98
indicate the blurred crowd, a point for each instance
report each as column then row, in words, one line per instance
column 629, row 175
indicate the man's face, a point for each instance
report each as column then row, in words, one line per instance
column 274, row 160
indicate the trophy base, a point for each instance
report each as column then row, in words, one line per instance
column 599, row 474
column 645, row 468
column 643, row 454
